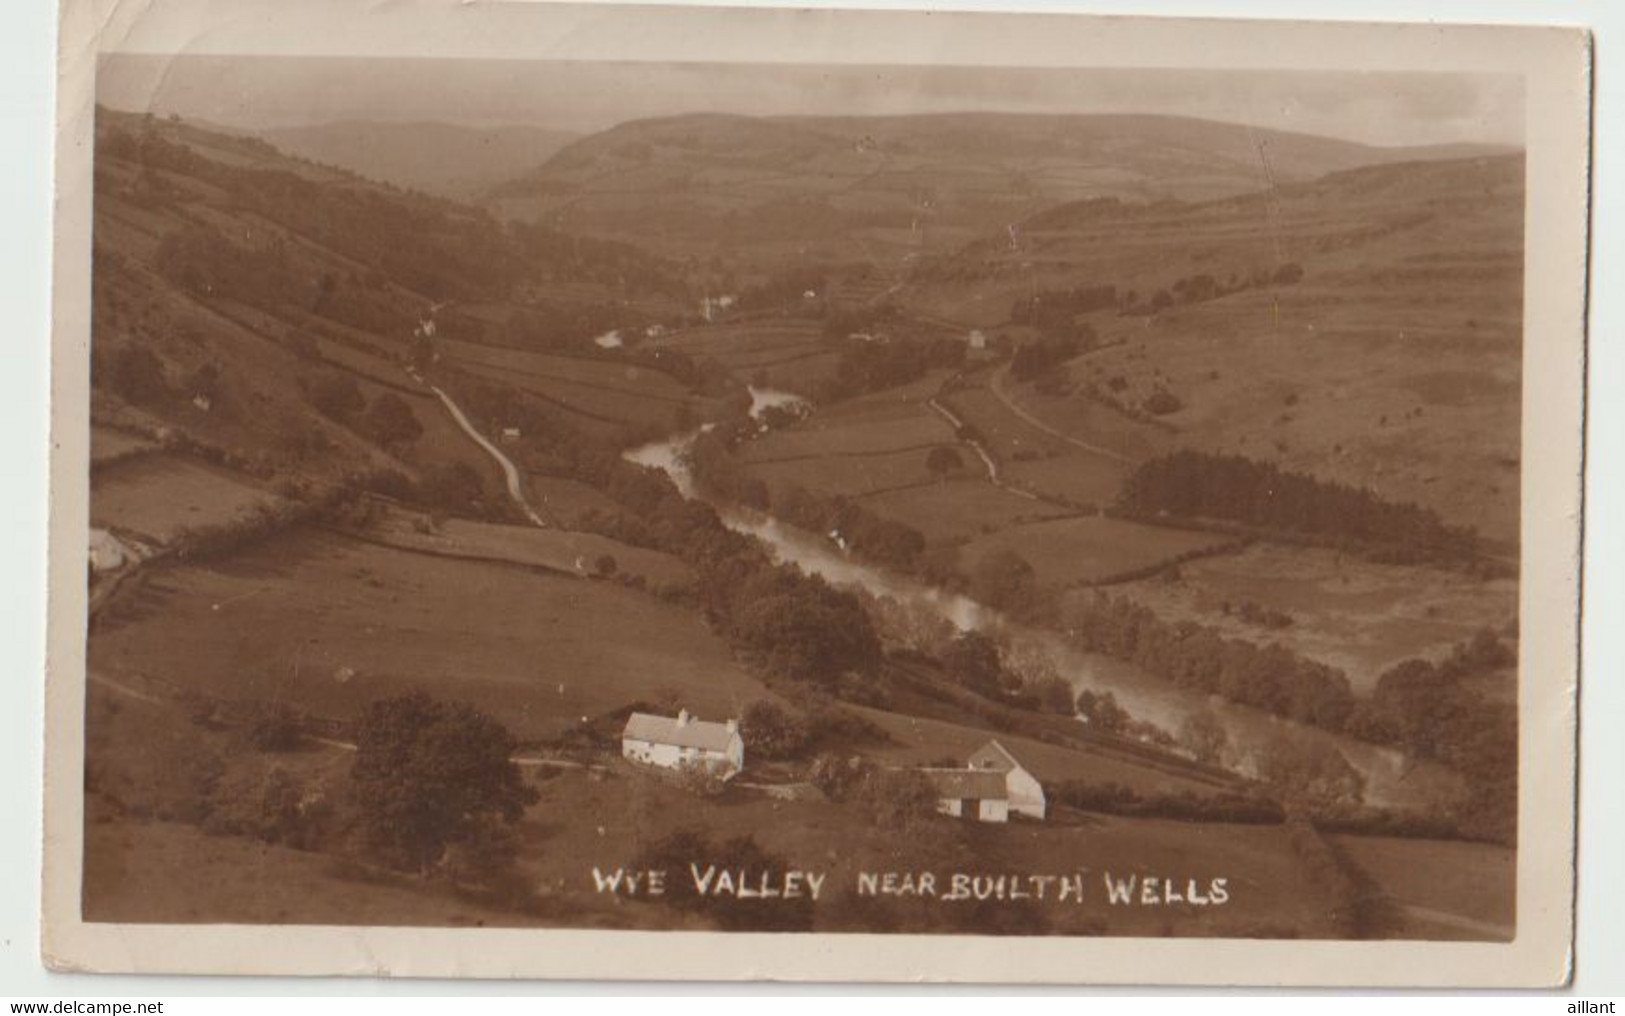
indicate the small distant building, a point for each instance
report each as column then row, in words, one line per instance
column 991, row 788
column 510, row 435
column 977, row 339
column 675, row 741
column 202, row 402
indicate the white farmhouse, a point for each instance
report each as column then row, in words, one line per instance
column 675, row 741
column 991, row 788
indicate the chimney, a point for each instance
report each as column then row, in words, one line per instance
column 733, row 726
column 682, row 717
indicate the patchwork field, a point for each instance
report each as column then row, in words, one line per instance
column 567, row 500
column 333, row 624
column 1355, row 615
column 957, row 510
column 601, row 391
column 1088, row 549
column 557, row 549
column 156, row 497
column 1033, row 459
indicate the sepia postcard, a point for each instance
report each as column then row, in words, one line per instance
column 598, row 491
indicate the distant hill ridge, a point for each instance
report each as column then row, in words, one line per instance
column 447, row 160
column 918, row 180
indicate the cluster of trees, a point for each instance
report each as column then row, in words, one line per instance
column 1203, row 286
column 1256, row 614
column 436, row 788
column 1113, row 798
column 975, row 661
column 799, row 626
column 781, row 733
column 1102, row 712
column 1193, row 484
column 1430, row 710
column 200, row 260
column 1272, row 677
column 875, row 365
column 869, row 535
column 1040, row 362
column 902, row 800
column 1053, row 310
column 389, row 421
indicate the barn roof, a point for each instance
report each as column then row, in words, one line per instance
column 973, row 784
column 994, row 755
column 683, row 731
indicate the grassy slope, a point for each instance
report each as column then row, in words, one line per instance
column 537, row 650
column 1394, row 364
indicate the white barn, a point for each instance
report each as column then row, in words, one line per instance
column 991, row 788
column 674, row 741
column 1026, row 794
column 970, row 794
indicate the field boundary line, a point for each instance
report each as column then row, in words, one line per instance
column 996, row 386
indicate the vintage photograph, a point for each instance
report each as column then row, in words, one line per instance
column 738, row 495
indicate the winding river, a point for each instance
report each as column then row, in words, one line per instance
column 1391, row 778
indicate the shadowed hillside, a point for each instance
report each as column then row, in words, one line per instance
column 443, row 159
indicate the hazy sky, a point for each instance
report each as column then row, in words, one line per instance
column 587, row 68
column 253, row 92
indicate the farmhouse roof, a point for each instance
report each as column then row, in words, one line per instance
column 968, row 784
column 683, row 731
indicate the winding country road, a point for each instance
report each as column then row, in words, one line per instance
column 987, row 458
column 996, row 386
column 510, row 472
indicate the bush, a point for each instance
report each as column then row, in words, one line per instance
column 337, row 397
column 838, row 776
column 274, row 727
column 899, row 799
column 138, row 376
column 1110, row 798
column 771, row 732
column 430, row 774
column 390, row 421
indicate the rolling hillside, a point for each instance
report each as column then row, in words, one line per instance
column 1365, row 326
column 446, row 160
column 878, row 187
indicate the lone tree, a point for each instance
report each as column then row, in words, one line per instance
column 942, row 460
column 431, row 776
